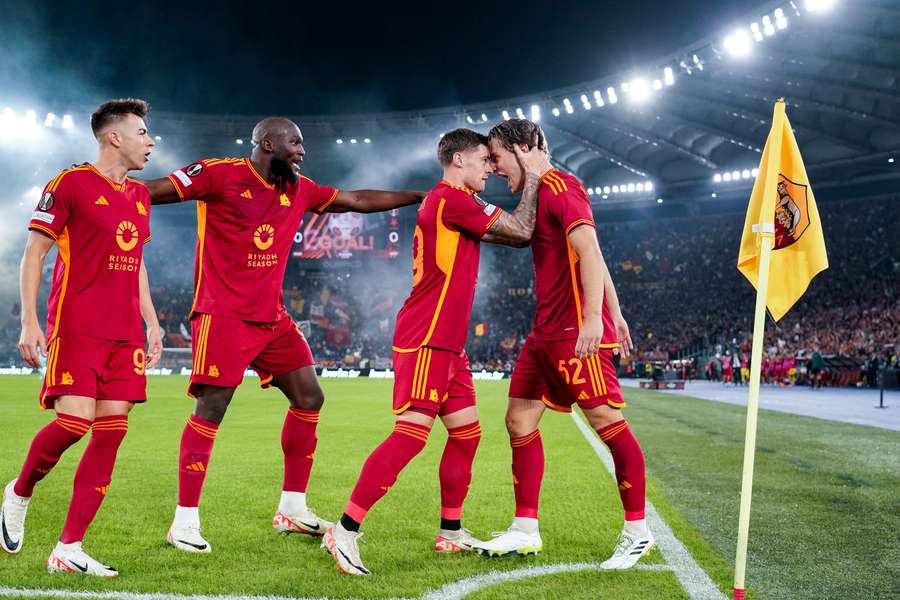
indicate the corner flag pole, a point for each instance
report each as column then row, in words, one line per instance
column 767, row 242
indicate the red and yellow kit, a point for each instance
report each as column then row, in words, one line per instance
column 94, row 328
column 547, row 367
column 245, row 230
column 225, row 347
column 429, row 362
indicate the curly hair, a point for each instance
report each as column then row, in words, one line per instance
column 519, row 131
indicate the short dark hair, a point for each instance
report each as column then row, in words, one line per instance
column 112, row 110
column 519, row 131
column 458, row 140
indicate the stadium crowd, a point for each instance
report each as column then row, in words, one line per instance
column 677, row 282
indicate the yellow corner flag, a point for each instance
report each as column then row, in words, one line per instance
column 782, row 202
column 782, row 249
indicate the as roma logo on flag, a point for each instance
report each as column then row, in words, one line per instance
column 791, row 212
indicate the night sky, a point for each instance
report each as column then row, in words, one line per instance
column 309, row 58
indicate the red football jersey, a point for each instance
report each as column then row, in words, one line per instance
column 100, row 228
column 562, row 206
column 446, row 248
column 245, row 230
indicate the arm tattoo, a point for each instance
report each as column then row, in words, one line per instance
column 515, row 228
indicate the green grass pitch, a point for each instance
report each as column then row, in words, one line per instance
column 826, row 511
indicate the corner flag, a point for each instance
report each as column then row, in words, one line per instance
column 782, row 249
column 782, row 202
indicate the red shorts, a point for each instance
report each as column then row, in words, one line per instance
column 550, row 371
column 223, row 348
column 79, row 365
column 434, row 380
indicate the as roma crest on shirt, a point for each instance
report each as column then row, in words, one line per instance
column 791, row 212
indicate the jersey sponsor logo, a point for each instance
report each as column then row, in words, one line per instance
column 46, row 202
column 264, row 236
column 791, row 212
column 194, row 170
column 140, row 208
column 126, row 235
column 67, row 378
column 101, row 201
column 184, row 179
column 42, row 216
column 284, row 200
column 246, row 194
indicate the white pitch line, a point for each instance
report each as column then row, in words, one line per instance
column 464, row 587
column 114, row 595
column 693, row 578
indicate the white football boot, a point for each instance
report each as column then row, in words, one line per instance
column 455, row 540
column 344, row 548
column 71, row 558
column 12, row 519
column 301, row 521
column 629, row 549
column 515, row 541
column 184, row 533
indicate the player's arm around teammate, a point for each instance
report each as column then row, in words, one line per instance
column 371, row 201
column 515, row 228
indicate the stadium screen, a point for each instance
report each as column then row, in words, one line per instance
column 344, row 236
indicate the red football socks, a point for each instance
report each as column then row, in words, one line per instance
column 93, row 476
column 196, row 446
column 456, row 468
column 46, row 449
column 298, row 441
column 384, row 464
column 629, row 461
column 528, row 471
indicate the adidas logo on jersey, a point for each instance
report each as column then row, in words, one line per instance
column 101, row 201
column 284, row 200
column 583, row 395
column 140, row 208
column 246, row 194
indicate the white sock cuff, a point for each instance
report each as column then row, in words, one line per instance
column 187, row 514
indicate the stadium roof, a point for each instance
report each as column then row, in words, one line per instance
column 687, row 126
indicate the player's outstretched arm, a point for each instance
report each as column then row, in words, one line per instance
column 162, row 191
column 515, row 228
column 584, row 242
column 148, row 312
column 32, row 336
column 370, row 201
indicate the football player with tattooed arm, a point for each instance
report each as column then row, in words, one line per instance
column 248, row 210
column 568, row 357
